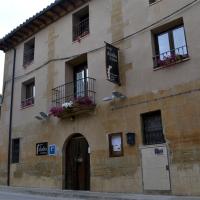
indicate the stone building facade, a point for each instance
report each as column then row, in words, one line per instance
column 146, row 138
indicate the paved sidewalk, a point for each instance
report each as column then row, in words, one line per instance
column 59, row 194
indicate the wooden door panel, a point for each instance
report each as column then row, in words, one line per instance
column 77, row 164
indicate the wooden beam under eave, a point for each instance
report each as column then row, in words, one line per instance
column 53, row 12
column 64, row 6
column 33, row 26
column 38, row 24
column 46, row 19
column 28, row 27
column 41, row 21
column 16, row 38
column 70, row 6
column 79, row 3
column 26, row 30
column 14, row 42
column 21, row 35
column 72, row 3
column 49, row 16
column 61, row 7
column 8, row 44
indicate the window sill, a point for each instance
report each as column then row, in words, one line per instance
column 28, row 64
column 171, row 64
column 28, row 106
column 80, row 38
column 15, row 163
column 151, row 4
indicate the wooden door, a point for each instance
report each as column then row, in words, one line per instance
column 77, row 164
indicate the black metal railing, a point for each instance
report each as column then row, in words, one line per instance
column 27, row 102
column 81, row 29
column 82, row 89
column 170, row 57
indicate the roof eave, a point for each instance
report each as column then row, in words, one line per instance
column 31, row 26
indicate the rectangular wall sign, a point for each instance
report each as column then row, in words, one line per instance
column 42, row 149
column 112, row 64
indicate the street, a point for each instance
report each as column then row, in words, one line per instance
column 20, row 196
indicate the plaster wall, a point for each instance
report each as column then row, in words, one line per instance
column 174, row 91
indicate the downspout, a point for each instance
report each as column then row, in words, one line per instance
column 10, row 120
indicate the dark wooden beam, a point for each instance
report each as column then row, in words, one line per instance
column 17, row 38
column 28, row 27
column 20, row 34
column 13, row 42
column 61, row 7
column 70, row 5
column 8, row 44
column 54, row 12
column 33, row 26
column 49, row 17
column 38, row 24
column 26, row 32
column 42, row 21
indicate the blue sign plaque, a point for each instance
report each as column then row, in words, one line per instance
column 52, row 150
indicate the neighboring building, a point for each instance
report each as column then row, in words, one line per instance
column 145, row 139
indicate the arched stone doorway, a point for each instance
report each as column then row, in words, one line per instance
column 76, row 163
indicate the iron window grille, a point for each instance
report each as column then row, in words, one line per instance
column 29, row 48
column 152, row 128
column 81, row 29
column 81, row 23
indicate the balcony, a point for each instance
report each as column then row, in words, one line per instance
column 171, row 57
column 73, row 98
column 81, row 29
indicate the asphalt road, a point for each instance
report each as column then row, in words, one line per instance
column 19, row 196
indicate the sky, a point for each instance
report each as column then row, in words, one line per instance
column 12, row 14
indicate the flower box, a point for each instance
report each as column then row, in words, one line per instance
column 78, row 106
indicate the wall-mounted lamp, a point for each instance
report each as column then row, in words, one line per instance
column 38, row 117
column 118, row 95
column 130, row 138
column 115, row 95
column 42, row 116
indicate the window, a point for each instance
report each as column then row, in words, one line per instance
column 170, row 46
column 28, row 93
column 29, row 48
column 115, row 144
column 81, row 23
column 15, row 150
column 152, row 128
column 152, row 1
column 81, row 80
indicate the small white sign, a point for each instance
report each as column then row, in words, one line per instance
column 116, row 143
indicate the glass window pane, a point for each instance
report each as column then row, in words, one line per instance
column 80, row 83
column 164, row 46
column 179, row 41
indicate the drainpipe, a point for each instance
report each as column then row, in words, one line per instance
column 10, row 120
